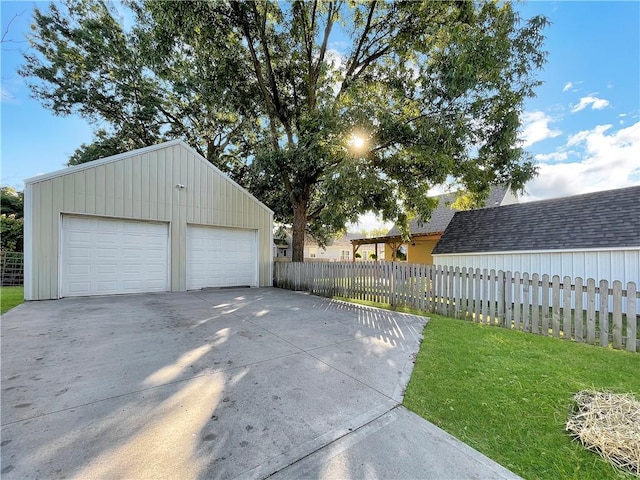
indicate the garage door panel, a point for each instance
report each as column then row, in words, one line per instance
column 220, row 257
column 105, row 269
column 81, row 288
column 105, row 256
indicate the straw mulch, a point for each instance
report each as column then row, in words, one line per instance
column 608, row 424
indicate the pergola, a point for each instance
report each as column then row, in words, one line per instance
column 394, row 241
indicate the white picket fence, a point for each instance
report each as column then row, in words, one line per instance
column 584, row 311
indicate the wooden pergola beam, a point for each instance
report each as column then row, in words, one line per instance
column 394, row 242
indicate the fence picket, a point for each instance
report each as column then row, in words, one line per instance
column 451, row 298
column 476, row 309
column 578, row 314
column 470, row 295
column 516, row 300
column 508, row 282
column 603, row 313
column 485, row 296
column 566, row 307
column 500, row 299
column 545, row 304
column 535, row 303
column 461, row 298
column 555, row 305
column 632, row 319
column 617, row 314
column 492, row 297
column 591, row 310
column 526, row 324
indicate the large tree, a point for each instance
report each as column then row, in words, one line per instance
column 341, row 107
column 136, row 88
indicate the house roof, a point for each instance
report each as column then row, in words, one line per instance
column 609, row 219
column 343, row 241
column 443, row 213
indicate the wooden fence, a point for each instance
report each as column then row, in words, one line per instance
column 11, row 268
column 584, row 311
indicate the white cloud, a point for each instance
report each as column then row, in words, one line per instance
column 567, row 86
column 6, row 96
column 595, row 102
column 535, row 128
column 608, row 160
column 554, row 156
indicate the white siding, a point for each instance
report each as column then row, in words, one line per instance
column 623, row 265
column 139, row 185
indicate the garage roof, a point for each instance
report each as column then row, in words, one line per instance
column 609, row 219
column 132, row 153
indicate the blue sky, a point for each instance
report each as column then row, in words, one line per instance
column 583, row 128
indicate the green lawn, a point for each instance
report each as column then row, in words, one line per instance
column 10, row 297
column 508, row 393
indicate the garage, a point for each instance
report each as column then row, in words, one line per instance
column 160, row 218
column 220, row 257
column 102, row 256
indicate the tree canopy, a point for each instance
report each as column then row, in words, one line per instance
column 323, row 109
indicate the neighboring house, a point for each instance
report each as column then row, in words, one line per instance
column 160, row 218
column 282, row 248
column 595, row 235
column 425, row 236
column 337, row 250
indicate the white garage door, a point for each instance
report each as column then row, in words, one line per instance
column 104, row 256
column 220, row 257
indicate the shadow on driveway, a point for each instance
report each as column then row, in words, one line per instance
column 208, row 384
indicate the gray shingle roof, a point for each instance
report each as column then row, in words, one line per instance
column 594, row 220
column 443, row 214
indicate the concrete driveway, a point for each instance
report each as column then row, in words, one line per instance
column 217, row 384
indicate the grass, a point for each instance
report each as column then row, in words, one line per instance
column 507, row 394
column 10, row 297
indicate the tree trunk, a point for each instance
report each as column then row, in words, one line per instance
column 299, row 227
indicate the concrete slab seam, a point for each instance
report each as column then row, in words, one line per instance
column 306, row 449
